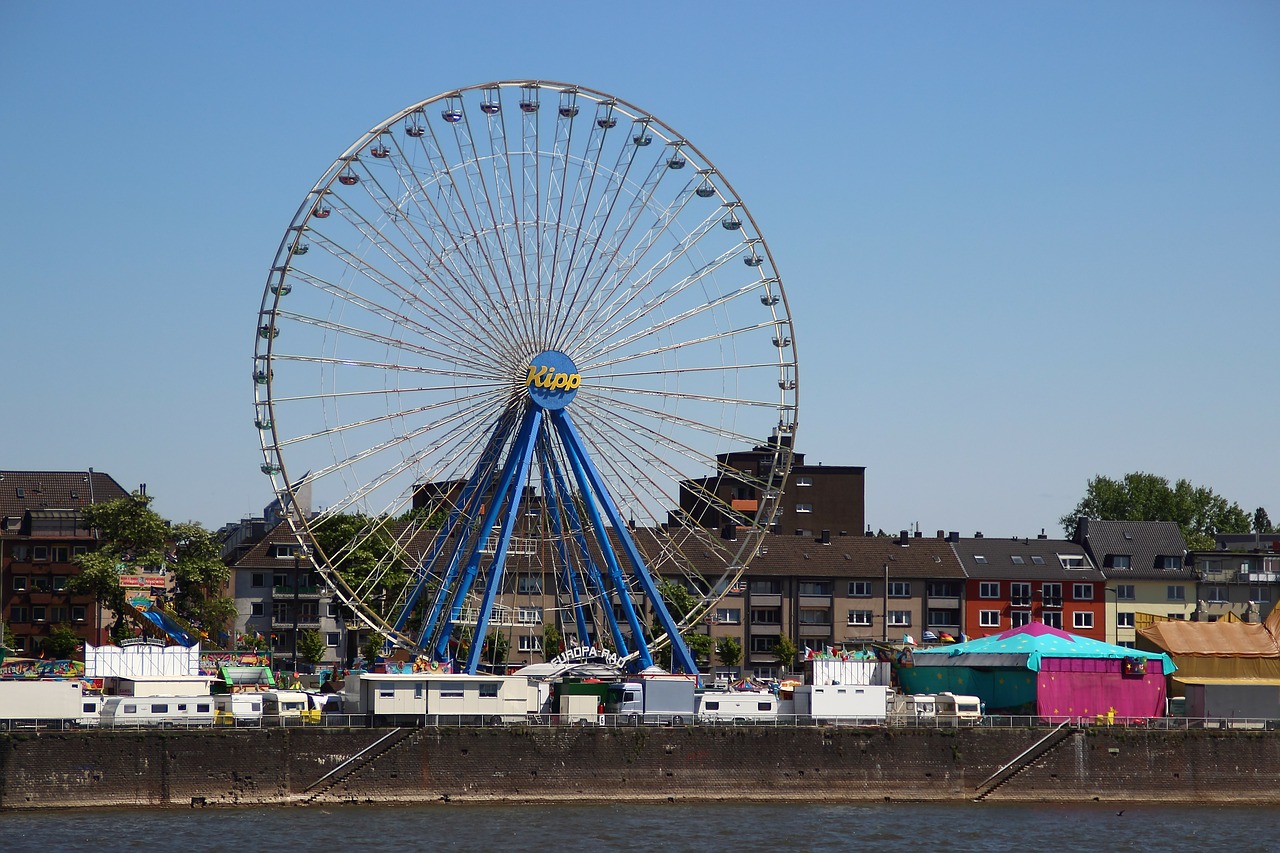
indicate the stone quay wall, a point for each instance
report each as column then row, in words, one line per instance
column 519, row 764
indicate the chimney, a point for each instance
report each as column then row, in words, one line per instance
column 729, row 532
column 918, row 535
column 903, row 537
column 1042, row 535
column 942, row 534
column 953, row 536
column 978, row 535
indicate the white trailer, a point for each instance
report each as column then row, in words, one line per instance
column 241, row 709
column 849, row 704
column 737, row 706
column 41, row 701
column 131, row 711
column 411, row 698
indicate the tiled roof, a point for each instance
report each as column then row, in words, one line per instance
column 1016, row 559
column 35, row 490
column 852, row 557
column 1143, row 542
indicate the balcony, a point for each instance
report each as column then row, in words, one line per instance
column 944, row 602
column 818, row 601
column 768, row 600
column 815, row 630
column 307, row 620
column 286, row 591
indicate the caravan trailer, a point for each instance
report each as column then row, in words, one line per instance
column 133, row 711
column 238, row 709
column 737, row 706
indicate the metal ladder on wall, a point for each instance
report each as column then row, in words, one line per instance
column 1023, row 760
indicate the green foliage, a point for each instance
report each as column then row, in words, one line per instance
column 729, row 650
column 61, row 644
column 1262, row 522
column 311, row 646
column 785, row 651
column 371, row 647
column 359, row 547
column 201, row 579
column 1197, row 510
column 680, row 603
column 494, row 651
column 552, row 641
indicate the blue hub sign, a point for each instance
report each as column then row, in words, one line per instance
column 553, row 380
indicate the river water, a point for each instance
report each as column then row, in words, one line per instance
column 697, row 828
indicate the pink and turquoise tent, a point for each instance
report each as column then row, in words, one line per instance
column 1044, row 671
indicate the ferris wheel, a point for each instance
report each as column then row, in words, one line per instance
column 504, row 351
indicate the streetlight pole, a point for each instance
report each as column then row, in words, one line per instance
column 297, row 565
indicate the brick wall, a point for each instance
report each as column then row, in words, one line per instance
column 243, row 766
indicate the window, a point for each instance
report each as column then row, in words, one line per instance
column 281, row 552
column 804, row 481
column 61, row 554
column 77, row 613
column 859, row 589
column 810, row 616
column 41, row 583
column 528, row 584
column 804, row 507
column 37, row 614
column 258, row 579
column 452, row 691
column 1124, row 620
column 979, row 558
column 489, row 691
column 19, row 583
column 1051, row 594
column 766, row 616
column 18, row 614
column 900, row 589
column 765, row 587
column 1082, row 619
column 943, row 618
column 728, row 615
column 1020, row 594
column 1125, row 592
column 529, row 615
column 257, row 608
column 40, row 553
column 1018, row 618
column 1170, row 562
column 1036, row 559
column 989, row 589
column 331, row 609
column 900, row 618
column 1121, row 561
column 281, row 582
column 815, row 587
column 1177, row 593
column 1259, row 593
column 1213, row 594
column 860, row 618
column 131, row 709
column 20, row 644
column 331, row 639
column 1071, row 561
column 1017, row 560
column 79, row 550
column 159, row 708
column 1082, row 591
column 59, row 582
column 61, row 614
column 1052, row 618
column 763, row 644
column 530, row 643
column 989, row 618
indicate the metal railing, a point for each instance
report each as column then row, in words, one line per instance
column 626, row 721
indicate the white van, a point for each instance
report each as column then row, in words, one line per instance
column 238, row 709
column 129, row 711
column 285, row 706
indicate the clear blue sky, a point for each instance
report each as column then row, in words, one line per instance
column 1023, row 243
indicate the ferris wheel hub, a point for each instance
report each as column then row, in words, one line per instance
column 553, row 380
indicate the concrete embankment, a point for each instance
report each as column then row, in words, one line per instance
column 518, row 764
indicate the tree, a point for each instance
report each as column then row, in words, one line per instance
column 61, row 644
column 1262, row 522
column 132, row 534
column 359, row 547
column 201, row 577
column 552, row 642
column 1197, row 510
column 785, row 651
column 680, row 603
column 311, row 647
column 371, row 647
column 729, row 650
